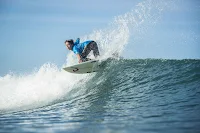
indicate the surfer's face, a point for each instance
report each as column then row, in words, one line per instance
column 68, row 45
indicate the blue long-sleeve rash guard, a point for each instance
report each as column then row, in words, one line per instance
column 78, row 47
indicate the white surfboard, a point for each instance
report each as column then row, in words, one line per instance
column 84, row 67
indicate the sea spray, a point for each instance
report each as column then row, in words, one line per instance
column 134, row 24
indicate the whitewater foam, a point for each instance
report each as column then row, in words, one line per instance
column 35, row 90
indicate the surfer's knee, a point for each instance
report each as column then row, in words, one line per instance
column 95, row 44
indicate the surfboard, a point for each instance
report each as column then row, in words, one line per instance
column 84, row 67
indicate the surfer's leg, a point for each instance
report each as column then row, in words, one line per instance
column 86, row 51
column 95, row 49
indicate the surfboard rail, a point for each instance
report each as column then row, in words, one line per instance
column 84, row 67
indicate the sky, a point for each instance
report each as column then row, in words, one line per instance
column 32, row 32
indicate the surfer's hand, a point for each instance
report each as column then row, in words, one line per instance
column 80, row 61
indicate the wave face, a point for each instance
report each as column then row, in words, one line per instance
column 139, row 95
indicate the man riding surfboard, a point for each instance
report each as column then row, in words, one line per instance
column 82, row 49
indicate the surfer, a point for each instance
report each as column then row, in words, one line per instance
column 82, row 49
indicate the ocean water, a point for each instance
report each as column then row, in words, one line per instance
column 126, row 95
column 138, row 95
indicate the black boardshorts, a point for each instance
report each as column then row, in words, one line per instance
column 91, row 46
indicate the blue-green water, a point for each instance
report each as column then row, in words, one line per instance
column 140, row 95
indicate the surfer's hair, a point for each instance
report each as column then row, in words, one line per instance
column 71, row 42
